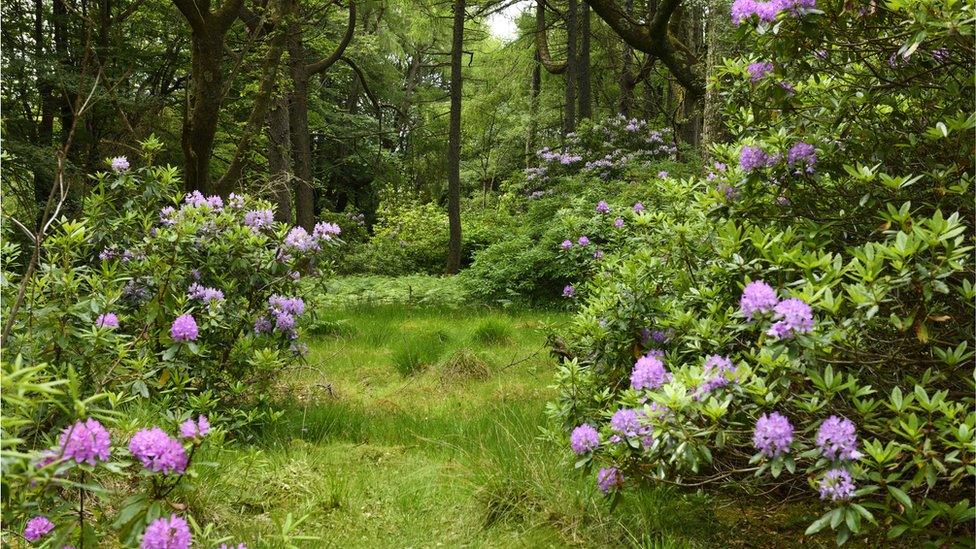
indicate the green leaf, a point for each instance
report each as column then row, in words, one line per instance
column 901, row 496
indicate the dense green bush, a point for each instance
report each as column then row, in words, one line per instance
column 848, row 193
column 197, row 305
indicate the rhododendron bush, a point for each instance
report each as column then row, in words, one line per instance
column 153, row 292
column 802, row 324
column 194, row 301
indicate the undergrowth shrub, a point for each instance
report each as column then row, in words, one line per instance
column 802, row 321
column 194, row 302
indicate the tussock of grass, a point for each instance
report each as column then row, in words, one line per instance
column 492, row 331
column 464, row 364
column 415, row 353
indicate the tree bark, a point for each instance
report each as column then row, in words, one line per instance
column 205, row 92
column 719, row 31
column 298, row 112
column 572, row 67
column 454, row 144
column 530, row 141
column 585, row 95
column 279, row 159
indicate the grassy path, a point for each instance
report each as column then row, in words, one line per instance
column 420, row 428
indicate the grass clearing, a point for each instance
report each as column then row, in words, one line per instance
column 447, row 455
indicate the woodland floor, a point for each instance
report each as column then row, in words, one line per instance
column 420, row 428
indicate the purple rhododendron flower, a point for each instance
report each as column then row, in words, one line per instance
column 167, row 533
column 802, row 155
column 158, row 452
column 753, row 158
column 284, row 310
column 757, row 297
column 195, row 429
column 184, row 328
column 598, row 254
column 757, row 71
column 299, row 239
column 618, row 223
column 107, row 320
column 258, row 219
column 167, row 215
column 609, row 479
column 86, row 441
column 767, row 11
column 602, row 207
column 649, row 373
column 325, row 231
column 567, row 244
column 773, row 434
column 584, row 439
column 210, row 296
column 793, row 317
column 262, row 325
column 37, row 528
column 836, row 484
column 663, row 174
column 235, row 201
column 626, row 422
column 638, row 207
column 120, row 164
column 715, row 370
column 583, row 241
column 569, row 291
column 837, row 439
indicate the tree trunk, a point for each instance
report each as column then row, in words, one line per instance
column 572, row 67
column 585, row 95
column 48, row 103
column 691, row 24
column 626, row 81
column 205, row 91
column 454, row 144
column 279, row 159
column 719, row 31
column 200, row 127
column 530, row 141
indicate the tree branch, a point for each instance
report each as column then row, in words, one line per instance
column 542, row 42
column 324, row 64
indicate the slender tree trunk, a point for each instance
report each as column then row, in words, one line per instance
column 585, row 95
column 305, row 210
column 572, row 67
column 300, row 139
column 626, row 81
column 48, row 104
column 530, row 141
column 454, row 144
column 691, row 21
column 719, row 32
column 279, row 159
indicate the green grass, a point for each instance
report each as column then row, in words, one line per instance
column 492, row 331
column 449, row 455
